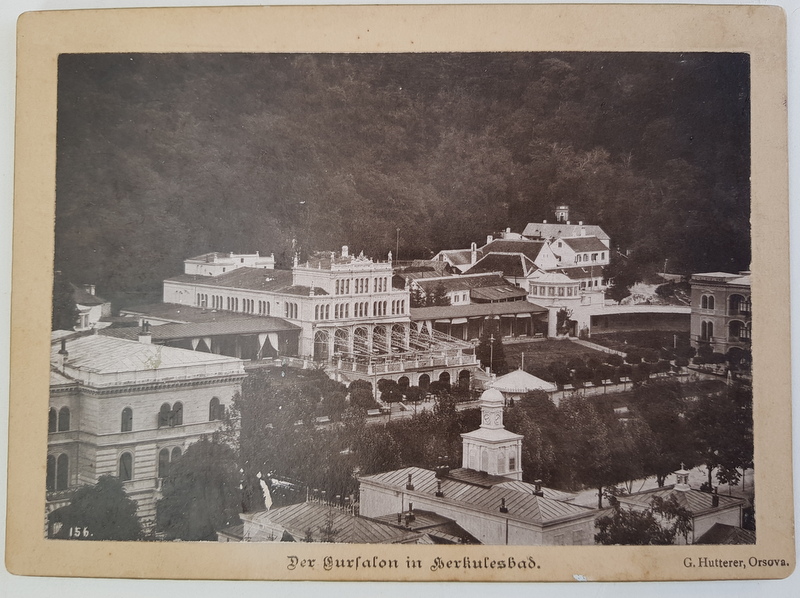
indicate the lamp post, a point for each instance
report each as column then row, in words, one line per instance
column 491, row 353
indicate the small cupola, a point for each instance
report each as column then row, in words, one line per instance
column 682, row 480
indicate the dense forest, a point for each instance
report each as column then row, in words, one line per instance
column 161, row 157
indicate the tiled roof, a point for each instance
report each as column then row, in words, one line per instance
column 83, row 297
column 476, row 310
column 521, row 505
column 458, row 257
column 225, row 326
column 550, row 230
column 252, row 279
column 307, row 518
column 510, row 264
column 103, row 354
column 183, row 314
column 694, row 501
column 719, row 533
column 498, row 293
column 529, row 249
column 583, row 244
column 463, row 283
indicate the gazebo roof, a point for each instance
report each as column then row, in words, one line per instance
column 520, row 381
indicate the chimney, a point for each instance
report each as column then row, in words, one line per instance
column 439, row 492
column 503, row 508
column 61, row 360
column 489, row 239
column 409, row 485
column 537, row 488
column 144, row 334
column 89, row 288
column 410, row 515
column 473, row 257
column 508, row 231
column 345, row 251
column 715, row 498
column 544, row 221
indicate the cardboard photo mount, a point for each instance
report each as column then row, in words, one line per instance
column 757, row 30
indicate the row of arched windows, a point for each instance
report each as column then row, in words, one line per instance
column 341, row 311
column 706, row 330
column 290, row 310
column 263, row 308
column 398, row 306
column 361, row 285
column 232, row 303
column 360, row 309
column 580, row 258
column 58, row 421
column 379, row 308
column 57, row 472
column 707, row 302
column 165, row 458
column 170, row 416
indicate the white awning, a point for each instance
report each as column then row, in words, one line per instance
column 523, row 315
column 459, row 321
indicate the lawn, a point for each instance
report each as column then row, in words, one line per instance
column 540, row 354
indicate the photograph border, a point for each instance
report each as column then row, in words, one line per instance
column 759, row 31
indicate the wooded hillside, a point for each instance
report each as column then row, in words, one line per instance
column 161, row 157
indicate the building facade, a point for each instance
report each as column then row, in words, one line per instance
column 127, row 409
column 721, row 316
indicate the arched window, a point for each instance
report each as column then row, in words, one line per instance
column 125, row 467
column 706, row 331
column 711, row 302
column 62, row 472
column 578, row 258
column 127, row 420
column 52, row 420
column 214, row 410
column 163, row 463
column 176, row 452
column 165, row 416
column 51, row 473
column 63, row 419
column 704, row 302
column 177, row 414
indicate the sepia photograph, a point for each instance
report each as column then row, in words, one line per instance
column 490, row 298
column 415, row 302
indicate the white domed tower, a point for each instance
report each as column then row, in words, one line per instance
column 491, row 448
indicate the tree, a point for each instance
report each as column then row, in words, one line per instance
column 490, row 351
column 590, row 446
column 200, row 493
column 723, row 426
column 564, row 321
column 438, row 296
column 658, row 525
column 662, row 407
column 361, row 396
column 65, row 311
column 103, row 510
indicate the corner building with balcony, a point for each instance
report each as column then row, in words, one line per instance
column 721, row 311
column 127, row 409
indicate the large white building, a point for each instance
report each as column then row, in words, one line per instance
column 127, row 409
column 349, row 316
